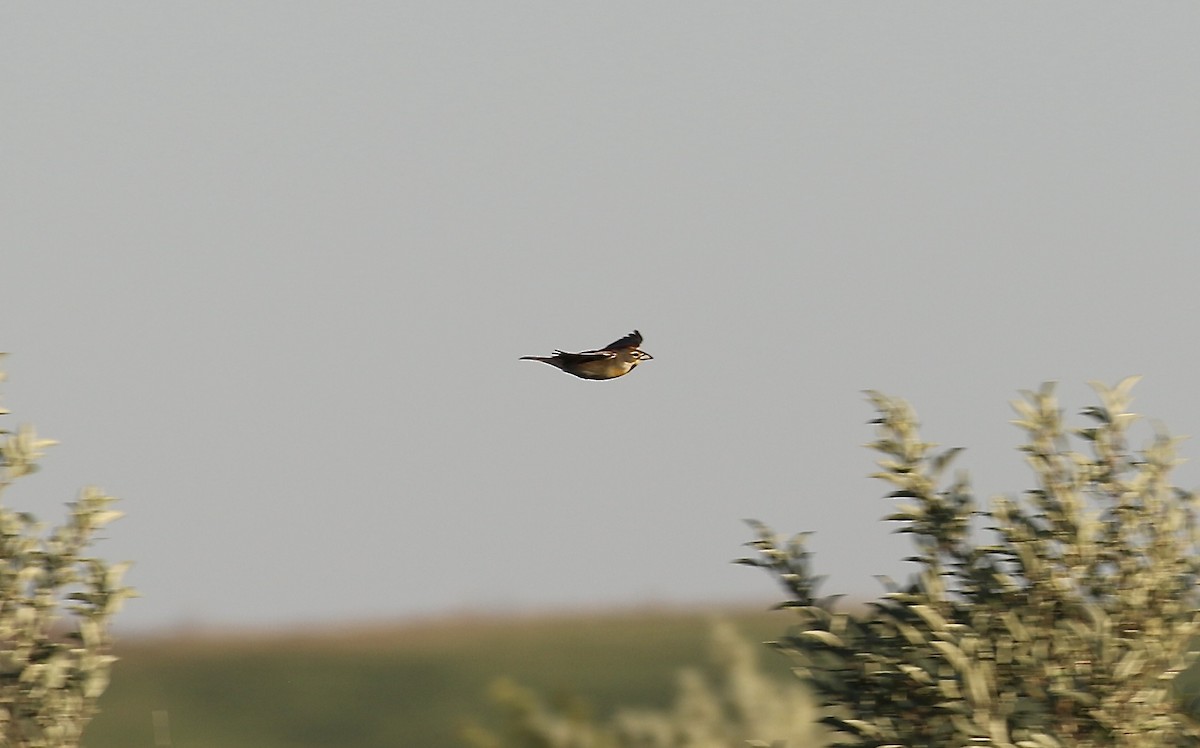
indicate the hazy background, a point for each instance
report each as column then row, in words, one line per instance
column 266, row 269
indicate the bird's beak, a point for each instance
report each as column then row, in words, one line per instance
column 643, row 356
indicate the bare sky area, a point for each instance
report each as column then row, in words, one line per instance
column 266, row 269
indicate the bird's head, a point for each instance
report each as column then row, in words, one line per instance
column 633, row 357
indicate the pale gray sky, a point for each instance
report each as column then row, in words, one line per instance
column 266, row 270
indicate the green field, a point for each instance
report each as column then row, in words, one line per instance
column 399, row 685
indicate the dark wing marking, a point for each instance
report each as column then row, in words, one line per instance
column 632, row 340
column 584, row 357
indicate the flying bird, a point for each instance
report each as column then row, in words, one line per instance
column 613, row 360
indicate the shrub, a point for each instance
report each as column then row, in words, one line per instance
column 1066, row 630
column 56, row 603
column 743, row 704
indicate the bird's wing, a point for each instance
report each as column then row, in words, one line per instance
column 584, row 356
column 632, row 340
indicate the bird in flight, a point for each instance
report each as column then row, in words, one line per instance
column 613, row 360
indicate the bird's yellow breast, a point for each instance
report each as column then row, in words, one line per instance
column 606, row 369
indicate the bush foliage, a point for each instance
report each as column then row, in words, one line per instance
column 740, row 705
column 56, row 604
column 1066, row 630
